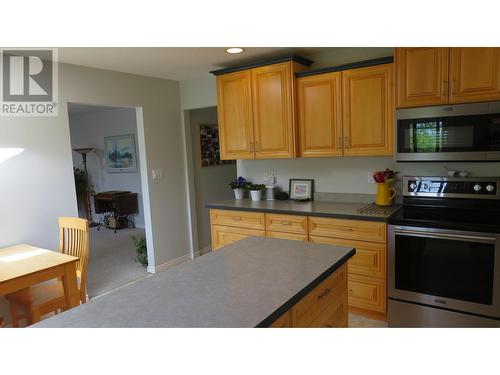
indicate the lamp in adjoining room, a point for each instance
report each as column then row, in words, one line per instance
column 84, row 151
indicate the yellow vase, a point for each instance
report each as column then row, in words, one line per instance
column 385, row 194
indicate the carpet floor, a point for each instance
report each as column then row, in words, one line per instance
column 112, row 260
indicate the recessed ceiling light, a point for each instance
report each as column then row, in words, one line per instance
column 235, row 50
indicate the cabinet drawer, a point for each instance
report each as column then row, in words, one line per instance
column 222, row 236
column 240, row 219
column 367, row 293
column 349, row 229
column 287, row 236
column 334, row 316
column 370, row 258
column 286, row 223
column 310, row 307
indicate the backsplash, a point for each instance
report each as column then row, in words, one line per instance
column 350, row 174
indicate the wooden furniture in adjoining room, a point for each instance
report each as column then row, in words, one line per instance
column 119, row 205
column 37, row 300
column 427, row 76
column 256, row 109
column 367, row 269
column 1, row 323
column 323, row 307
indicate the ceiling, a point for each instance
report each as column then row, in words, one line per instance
column 170, row 62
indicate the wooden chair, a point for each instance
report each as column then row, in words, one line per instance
column 46, row 297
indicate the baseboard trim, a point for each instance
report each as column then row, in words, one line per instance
column 203, row 251
column 169, row 264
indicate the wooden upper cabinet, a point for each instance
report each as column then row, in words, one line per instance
column 234, row 98
column 475, row 74
column 421, row 76
column 273, row 111
column 368, row 110
column 320, row 115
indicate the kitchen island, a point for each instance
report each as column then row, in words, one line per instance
column 255, row 282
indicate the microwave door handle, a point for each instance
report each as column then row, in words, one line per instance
column 445, row 236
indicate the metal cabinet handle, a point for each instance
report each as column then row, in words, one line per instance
column 257, row 147
column 286, row 223
column 237, row 218
column 339, row 142
column 445, row 236
column 453, row 84
column 346, row 142
column 251, row 147
column 344, row 229
column 325, row 293
column 444, row 88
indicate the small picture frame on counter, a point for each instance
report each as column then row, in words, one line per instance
column 301, row 189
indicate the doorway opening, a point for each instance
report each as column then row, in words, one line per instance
column 209, row 175
column 109, row 192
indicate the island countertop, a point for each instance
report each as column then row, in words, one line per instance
column 343, row 210
column 249, row 283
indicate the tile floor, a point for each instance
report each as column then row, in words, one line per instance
column 358, row 321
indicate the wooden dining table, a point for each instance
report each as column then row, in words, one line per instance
column 23, row 265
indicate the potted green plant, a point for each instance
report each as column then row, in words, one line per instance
column 256, row 191
column 239, row 185
column 141, row 250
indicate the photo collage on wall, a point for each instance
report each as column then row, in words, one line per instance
column 209, row 143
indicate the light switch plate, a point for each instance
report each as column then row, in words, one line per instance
column 157, row 174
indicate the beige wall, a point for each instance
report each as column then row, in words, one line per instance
column 37, row 186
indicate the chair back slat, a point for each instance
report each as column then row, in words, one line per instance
column 74, row 240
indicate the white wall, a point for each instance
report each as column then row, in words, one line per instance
column 350, row 174
column 37, row 186
column 199, row 93
column 211, row 183
column 89, row 130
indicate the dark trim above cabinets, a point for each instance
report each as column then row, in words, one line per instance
column 359, row 64
column 299, row 59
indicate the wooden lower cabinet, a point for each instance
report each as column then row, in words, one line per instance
column 223, row 235
column 367, row 270
column 367, row 293
column 287, row 236
column 323, row 307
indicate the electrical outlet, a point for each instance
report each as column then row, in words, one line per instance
column 274, row 177
column 266, row 177
column 370, row 178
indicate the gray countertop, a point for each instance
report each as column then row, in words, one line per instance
column 347, row 210
column 249, row 283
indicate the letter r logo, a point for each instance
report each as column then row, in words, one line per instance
column 27, row 75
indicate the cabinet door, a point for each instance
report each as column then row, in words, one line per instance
column 421, row 76
column 320, row 115
column 475, row 74
column 368, row 110
column 234, row 108
column 273, row 111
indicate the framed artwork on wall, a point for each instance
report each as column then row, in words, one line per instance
column 302, row 190
column 210, row 148
column 120, row 153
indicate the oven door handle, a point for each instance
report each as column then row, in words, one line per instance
column 445, row 236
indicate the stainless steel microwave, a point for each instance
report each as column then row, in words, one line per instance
column 462, row 132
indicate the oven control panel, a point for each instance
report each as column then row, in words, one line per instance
column 479, row 187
